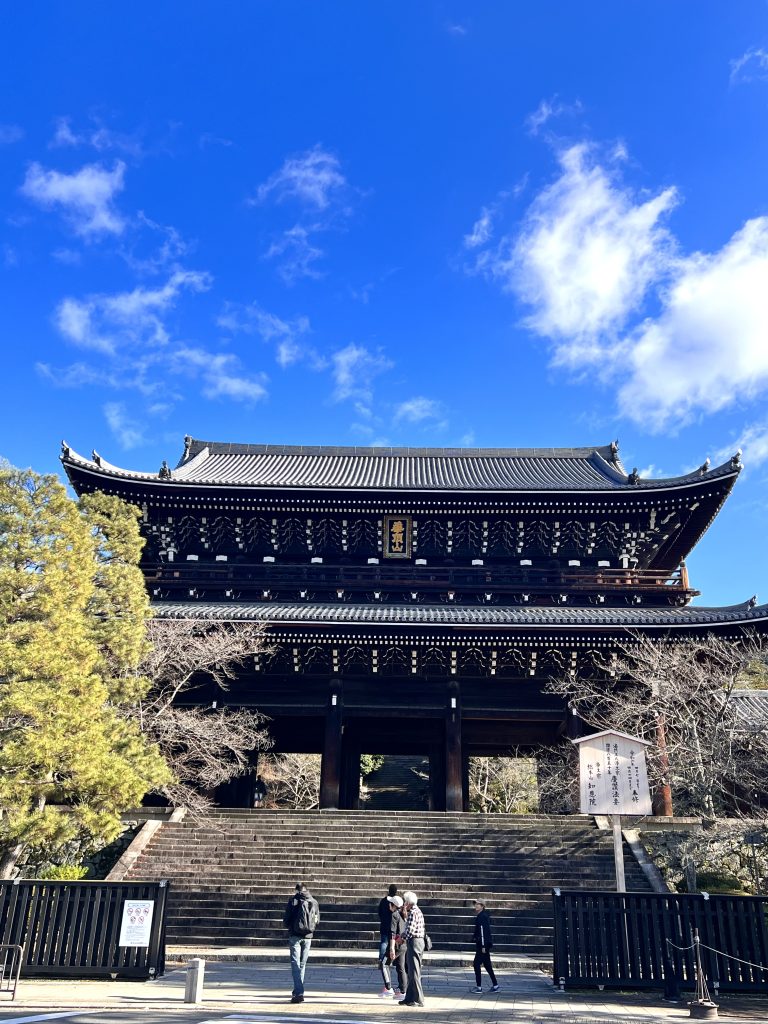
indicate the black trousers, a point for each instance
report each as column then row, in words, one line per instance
column 483, row 960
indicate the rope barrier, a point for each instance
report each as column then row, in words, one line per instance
column 719, row 952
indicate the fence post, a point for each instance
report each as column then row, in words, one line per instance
column 193, row 993
column 559, row 950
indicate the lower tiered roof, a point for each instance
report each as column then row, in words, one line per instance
column 745, row 615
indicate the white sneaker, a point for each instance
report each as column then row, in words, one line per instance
column 477, row 988
column 494, row 988
column 398, row 994
column 386, row 993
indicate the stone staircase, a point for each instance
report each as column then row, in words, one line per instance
column 231, row 879
column 401, row 783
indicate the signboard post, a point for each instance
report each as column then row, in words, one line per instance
column 136, row 923
column 614, row 781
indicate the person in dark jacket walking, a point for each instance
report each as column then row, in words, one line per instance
column 387, row 906
column 301, row 917
column 483, row 946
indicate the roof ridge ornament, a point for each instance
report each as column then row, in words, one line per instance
column 187, row 447
column 95, row 457
column 704, row 467
column 615, row 450
column 736, row 459
column 164, row 472
column 752, row 601
column 634, row 477
column 65, row 450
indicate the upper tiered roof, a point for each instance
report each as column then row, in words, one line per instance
column 217, row 464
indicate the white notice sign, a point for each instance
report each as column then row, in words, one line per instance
column 613, row 775
column 137, row 922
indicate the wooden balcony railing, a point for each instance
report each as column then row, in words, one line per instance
column 424, row 579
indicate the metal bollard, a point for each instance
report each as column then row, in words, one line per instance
column 193, row 993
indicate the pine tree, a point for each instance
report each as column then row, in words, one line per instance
column 72, row 615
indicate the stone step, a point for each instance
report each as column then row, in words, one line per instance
column 231, row 879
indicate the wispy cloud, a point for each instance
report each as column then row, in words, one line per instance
column 128, row 432
column 222, row 374
column 752, row 66
column 98, row 136
column 354, row 368
column 296, row 255
column 313, row 178
column 157, row 258
column 752, row 442
column 481, row 231
column 209, row 139
column 85, row 197
column 10, row 133
column 314, row 182
column 590, row 258
column 420, row 410
column 549, row 109
column 288, row 336
column 108, row 323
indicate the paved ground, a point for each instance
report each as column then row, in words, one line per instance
column 239, row 993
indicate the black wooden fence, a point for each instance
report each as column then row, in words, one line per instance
column 644, row 940
column 72, row 929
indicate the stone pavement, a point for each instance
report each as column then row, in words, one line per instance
column 336, row 993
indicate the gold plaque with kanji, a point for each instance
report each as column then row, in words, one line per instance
column 397, row 536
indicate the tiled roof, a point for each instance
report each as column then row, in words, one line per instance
column 207, row 463
column 456, row 616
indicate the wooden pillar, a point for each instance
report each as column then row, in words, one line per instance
column 454, row 788
column 330, row 767
column 465, row 782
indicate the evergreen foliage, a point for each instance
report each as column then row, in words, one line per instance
column 72, row 616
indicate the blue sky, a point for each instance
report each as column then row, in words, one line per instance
column 405, row 223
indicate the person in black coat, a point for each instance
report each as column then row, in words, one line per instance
column 483, row 945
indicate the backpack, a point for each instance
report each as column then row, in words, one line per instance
column 306, row 918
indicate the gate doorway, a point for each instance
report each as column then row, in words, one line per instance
column 400, row 784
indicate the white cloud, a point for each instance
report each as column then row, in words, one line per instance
column 418, row 409
column 708, row 348
column 586, row 255
column 750, row 67
column 481, row 231
column 752, row 442
column 676, row 335
column 221, row 374
column 10, row 133
column 106, row 323
column 127, row 431
column 313, row 178
column 98, row 136
column 354, row 368
column 162, row 257
column 287, row 335
column 296, row 255
column 85, row 197
column 547, row 110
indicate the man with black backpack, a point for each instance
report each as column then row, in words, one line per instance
column 301, row 917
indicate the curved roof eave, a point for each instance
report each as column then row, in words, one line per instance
column 610, row 478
